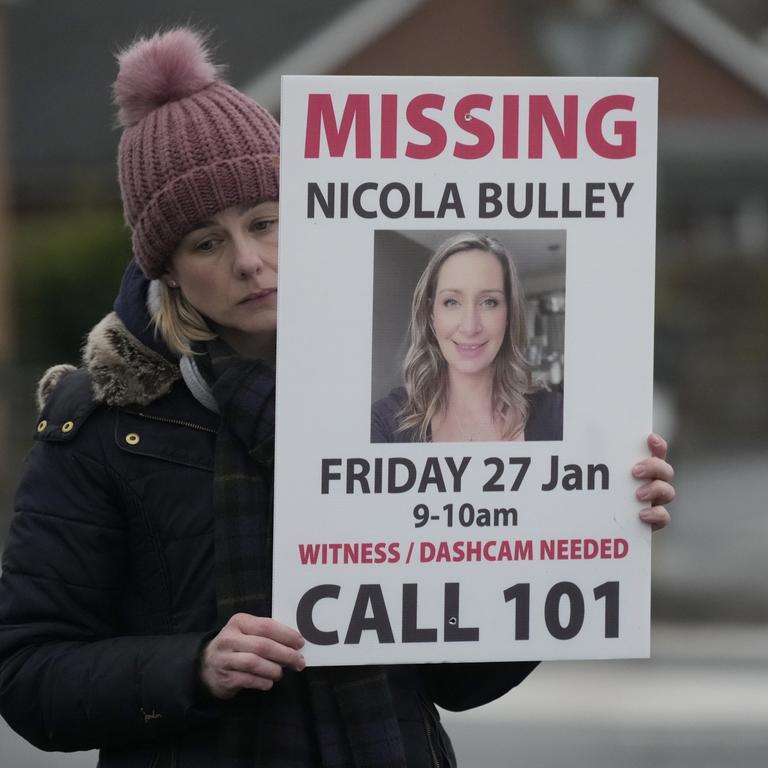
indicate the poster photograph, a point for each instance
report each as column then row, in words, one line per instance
column 401, row 259
column 447, row 243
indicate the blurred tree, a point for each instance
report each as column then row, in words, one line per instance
column 66, row 270
column 6, row 316
column 712, row 346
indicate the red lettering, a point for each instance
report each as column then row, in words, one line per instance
column 564, row 135
column 524, row 550
column 320, row 114
column 510, row 127
column 578, row 549
column 478, row 128
column 389, row 125
column 562, row 126
column 474, row 550
column 625, row 129
column 416, row 118
column 308, row 553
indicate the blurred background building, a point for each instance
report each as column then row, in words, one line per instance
column 63, row 246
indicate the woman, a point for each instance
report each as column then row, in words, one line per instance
column 466, row 376
column 135, row 600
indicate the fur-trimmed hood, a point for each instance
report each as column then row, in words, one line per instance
column 127, row 363
column 123, row 371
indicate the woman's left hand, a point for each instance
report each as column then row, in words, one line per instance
column 658, row 489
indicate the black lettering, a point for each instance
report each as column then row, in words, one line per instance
column 572, row 477
column 344, row 201
column 392, row 465
column 493, row 484
column 457, row 472
column 405, row 200
column 326, row 203
column 378, row 621
column 552, row 482
column 489, row 195
column 453, row 632
column 304, row 620
column 571, row 628
column 432, row 475
column 620, row 197
column 568, row 212
column 419, row 212
column 592, row 472
column 326, row 475
column 357, row 470
column 451, row 201
column 357, row 200
column 412, row 633
column 525, row 211
column 544, row 212
column 594, row 198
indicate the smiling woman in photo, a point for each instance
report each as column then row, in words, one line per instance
column 465, row 373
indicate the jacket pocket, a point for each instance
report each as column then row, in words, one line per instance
column 165, row 439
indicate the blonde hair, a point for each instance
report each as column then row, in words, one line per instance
column 425, row 372
column 177, row 322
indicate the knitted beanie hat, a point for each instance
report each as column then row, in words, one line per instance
column 191, row 145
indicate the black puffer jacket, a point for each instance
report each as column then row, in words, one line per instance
column 107, row 594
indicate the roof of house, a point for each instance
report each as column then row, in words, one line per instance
column 60, row 63
column 729, row 33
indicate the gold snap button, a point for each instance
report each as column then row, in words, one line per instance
column 67, row 426
column 132, row 438
column 42, row 425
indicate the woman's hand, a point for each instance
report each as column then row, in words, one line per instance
column 658, row 490
column 249, row 652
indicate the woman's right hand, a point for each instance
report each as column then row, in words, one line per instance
column 249, row 652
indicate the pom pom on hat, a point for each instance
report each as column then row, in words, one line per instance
column 165, row 67
column 192, row 145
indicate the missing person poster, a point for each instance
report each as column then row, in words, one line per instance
column 464, row 367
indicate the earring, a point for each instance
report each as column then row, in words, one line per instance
column 173, row 284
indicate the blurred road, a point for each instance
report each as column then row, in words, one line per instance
column 700, row 702
column 711, row 560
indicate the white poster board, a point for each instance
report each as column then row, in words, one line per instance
column 404, row 552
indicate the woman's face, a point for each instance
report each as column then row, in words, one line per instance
column 227, row 269
column 469, row 312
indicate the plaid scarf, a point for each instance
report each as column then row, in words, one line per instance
column 332, row 717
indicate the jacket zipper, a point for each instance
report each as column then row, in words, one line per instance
column 435, row 760
column 156, row 759
column 178, row 422
column 428, row 718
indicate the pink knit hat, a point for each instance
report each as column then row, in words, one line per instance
column 191, row 145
